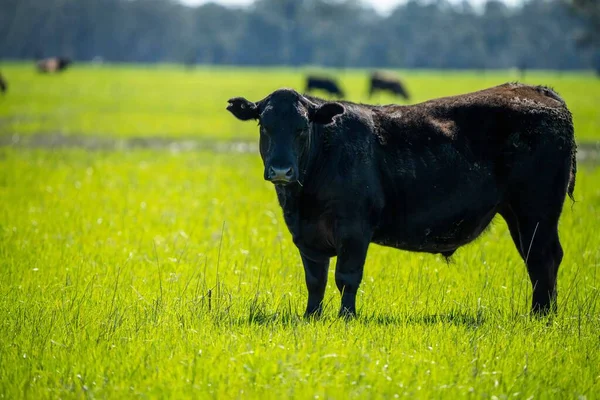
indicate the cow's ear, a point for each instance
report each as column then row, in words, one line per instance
column 242, row 108
column 325, row 113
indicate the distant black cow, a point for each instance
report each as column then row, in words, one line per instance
column 384, row 82
column 53, row 64
column 3, row 84
column 327, row 84
column 427, row 178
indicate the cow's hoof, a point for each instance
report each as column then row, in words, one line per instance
column 313, row 315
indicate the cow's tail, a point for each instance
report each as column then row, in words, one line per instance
column 571, row 187
column 549, row 92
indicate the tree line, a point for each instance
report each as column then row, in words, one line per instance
column 339, row 33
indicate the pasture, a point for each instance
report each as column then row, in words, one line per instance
column 132, row 267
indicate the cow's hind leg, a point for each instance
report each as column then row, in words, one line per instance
column 537, row 240
column 532, row 212
column 543, row 255
column 513, row 227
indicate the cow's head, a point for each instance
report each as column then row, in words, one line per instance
column 285, row 119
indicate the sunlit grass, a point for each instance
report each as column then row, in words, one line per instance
column 174, row 102
column 159, row 274
column 155, row 274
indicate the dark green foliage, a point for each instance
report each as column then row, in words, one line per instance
column 417, row 34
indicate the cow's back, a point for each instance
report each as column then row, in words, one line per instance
column 486, row 121
column 445, row 166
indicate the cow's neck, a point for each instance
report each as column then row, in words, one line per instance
column 302, row 201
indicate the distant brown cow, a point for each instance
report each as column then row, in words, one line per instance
column 3, row 84
column 386, row 82
column 53, row 64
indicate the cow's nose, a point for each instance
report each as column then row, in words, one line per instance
column 277, row 174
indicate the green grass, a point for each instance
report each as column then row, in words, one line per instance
column 172, row 102
column 166, row 274
column 155, row 275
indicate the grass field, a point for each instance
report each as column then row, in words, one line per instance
column 173, row 102
column 151, row 273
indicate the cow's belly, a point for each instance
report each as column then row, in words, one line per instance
column 434, row 237
column 438, row 222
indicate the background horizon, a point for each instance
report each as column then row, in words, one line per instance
column 383, row 7
column 443, row 34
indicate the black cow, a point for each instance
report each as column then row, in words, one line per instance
column 53, row 64
column 427, row 178
column 3, row 84
column 384, row 82
column 326, row 84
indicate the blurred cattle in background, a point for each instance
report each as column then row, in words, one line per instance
column 53, row 64
column 380, row 81
column 3, row 84
column 325, row 84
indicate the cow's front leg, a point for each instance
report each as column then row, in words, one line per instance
column 315, row 273
column 352, row 252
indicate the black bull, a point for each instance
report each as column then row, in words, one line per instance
column 428, row 177
column 326, row 84
column 380, row 82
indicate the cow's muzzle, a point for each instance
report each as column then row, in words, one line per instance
column 280, row 175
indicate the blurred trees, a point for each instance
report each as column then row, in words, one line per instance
column 590, row 37
column 342, row 33
column 590, row 10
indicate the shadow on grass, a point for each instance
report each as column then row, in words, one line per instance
column 587, row 151
column 457, row 318
column 108, row 143
column 291, row 319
